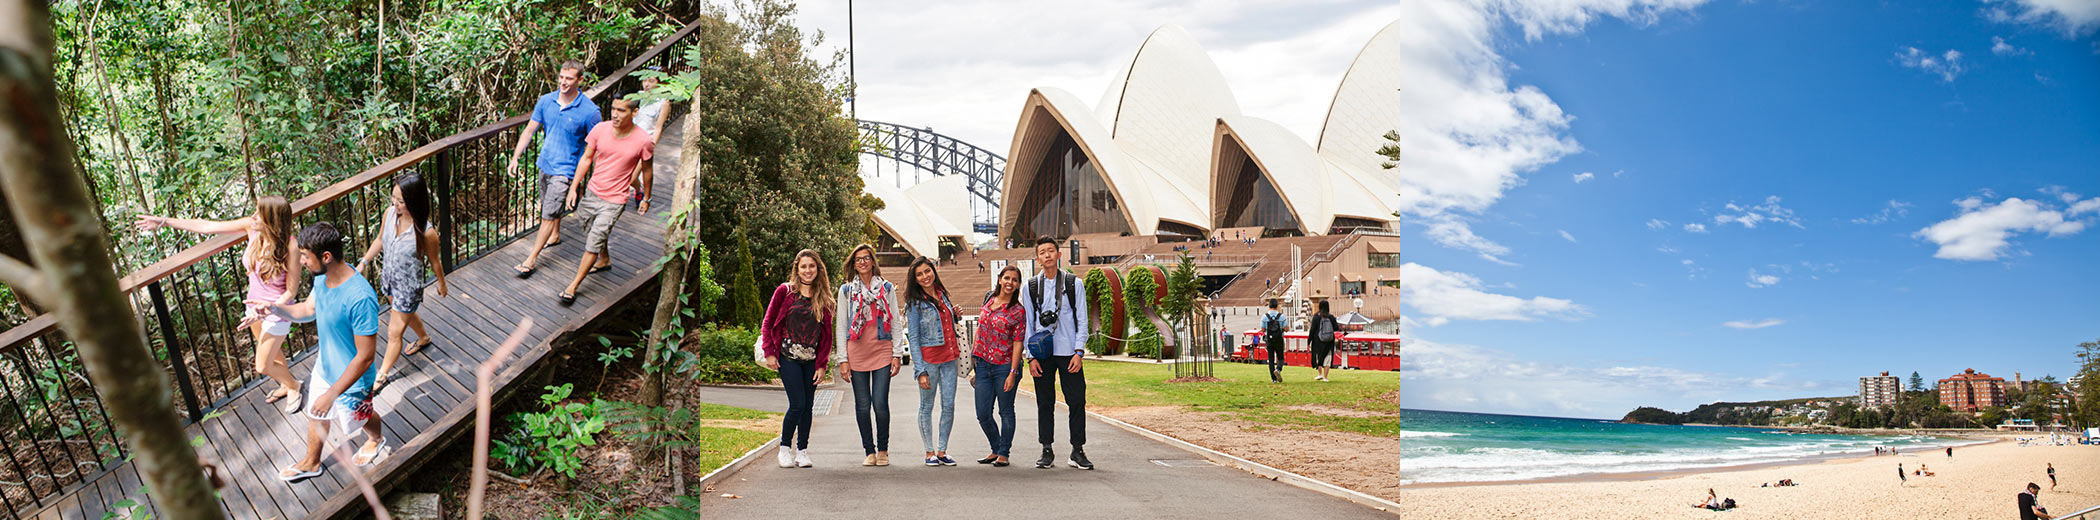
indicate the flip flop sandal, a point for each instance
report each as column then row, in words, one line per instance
column 600, row 269
column 375, row 456
column 380, row 381
column 292, row 403
column 418, row 347
column 524, row 273
column 567, row 299
column 298, row 476
column 275, row 396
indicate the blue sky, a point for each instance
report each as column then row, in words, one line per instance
column 1841, row 130
column 1825, row 129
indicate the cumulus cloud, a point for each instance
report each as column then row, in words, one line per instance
column 1584, row 177
column 1656, row 223
column 1695, row 227
column 1759, row 281
column 1441, row 297
column 1444, row 376
column 2071, row 18
column 1750, row 216
column 1892, row 211
column 1449, row 231
column 1564, row 234
column 1983, row 231
column 1749, row 325
column 1999, row 47
column 1946, row 65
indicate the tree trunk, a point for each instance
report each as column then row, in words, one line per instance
column 66, row 241
column 673, row 277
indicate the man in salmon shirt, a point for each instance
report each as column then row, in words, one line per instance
column 617, row 150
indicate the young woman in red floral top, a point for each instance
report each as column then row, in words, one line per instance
column 997, row 350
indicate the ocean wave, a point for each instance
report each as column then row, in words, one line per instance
column 1524, row 463
column 1739, row 439
column 1404, row 434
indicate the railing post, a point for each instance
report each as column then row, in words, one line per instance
column 441, row 187
column 174, row 346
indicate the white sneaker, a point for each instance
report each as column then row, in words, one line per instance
column 802, row 458
column 787, row 457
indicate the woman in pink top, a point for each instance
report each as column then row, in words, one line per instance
column 871, row 329
column 272, row 276
column 996, row 352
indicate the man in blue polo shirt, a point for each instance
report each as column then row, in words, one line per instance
column 567, row 115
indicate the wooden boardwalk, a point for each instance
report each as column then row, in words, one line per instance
column 430, row 402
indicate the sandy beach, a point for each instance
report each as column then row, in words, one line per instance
column 1977, row 482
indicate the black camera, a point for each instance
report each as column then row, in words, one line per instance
column 1047, row 318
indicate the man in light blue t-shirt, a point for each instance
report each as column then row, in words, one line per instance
column 567, row 115
column 346, row 315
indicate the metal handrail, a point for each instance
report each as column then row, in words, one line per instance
column 2082, row 513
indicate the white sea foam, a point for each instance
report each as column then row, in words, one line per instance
column 1404, row 434
column 1439, row 464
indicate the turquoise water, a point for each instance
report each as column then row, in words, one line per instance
column 1470, row 447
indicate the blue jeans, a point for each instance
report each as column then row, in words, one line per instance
column 871, row 393
column 991, row 386
column 802, row 392
column 943, row 384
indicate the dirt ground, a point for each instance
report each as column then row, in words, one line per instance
column 1356, row 461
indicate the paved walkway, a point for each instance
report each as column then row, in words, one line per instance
column 1135, row 477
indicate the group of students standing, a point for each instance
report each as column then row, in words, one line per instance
column 343, row 304
column 871, row 330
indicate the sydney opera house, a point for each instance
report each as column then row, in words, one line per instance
column 1165, row 159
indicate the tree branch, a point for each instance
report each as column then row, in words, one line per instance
column 25, row 280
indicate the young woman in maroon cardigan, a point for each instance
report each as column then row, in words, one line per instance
column 796, row 338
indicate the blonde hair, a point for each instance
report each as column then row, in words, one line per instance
column 821, row 298
column 273, row 254
column 874, row 266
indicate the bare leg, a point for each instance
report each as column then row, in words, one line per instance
column 373, row 436
column 316, row 434
column 415, row 322
column 394, row 326
column 550, row 230
column 269, row 360
column 582, row 269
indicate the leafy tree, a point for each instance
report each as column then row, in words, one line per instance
column 2085, row 398
column 746, row 303
column 1917, row 383
column 777, row 154
column 1183, row 285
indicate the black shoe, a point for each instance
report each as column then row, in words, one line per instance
column 1049, row 459
column 1079, row 459
column 988, row 460
column 1001, row 464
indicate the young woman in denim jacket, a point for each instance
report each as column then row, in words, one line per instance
column 870, row 334
column 934, row 351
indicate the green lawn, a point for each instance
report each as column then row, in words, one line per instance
column 1246, row 394
column 721, row 445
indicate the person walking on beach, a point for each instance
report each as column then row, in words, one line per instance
column 997, row 353
column 2052, row 476
column 345, row 312
column 621, row 154
column 934, row 352
column 2030, row 507
column 1325, row 328
column 792, row 336
column 567, row 115
column 274, row 274
column 408, row 241
column 873, row 348
column 1272, row 327
column 1057, row 332
column 1901, row 478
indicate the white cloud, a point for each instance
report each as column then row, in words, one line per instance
column 1448, row 231
column 1564, row 234
column 1656, row 223
column 1695, row 227
column 1893, row 210
column 1759, row 281
column 1750, row 325
column 1446, row 296
column 1584, row 177
column 1666, row 250
column 1750, row 216
column 2071, row 18
column 1946, row 65
column 1617, row 173
column 1444, row 376
column 1999, row 47
column 1982, row 231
